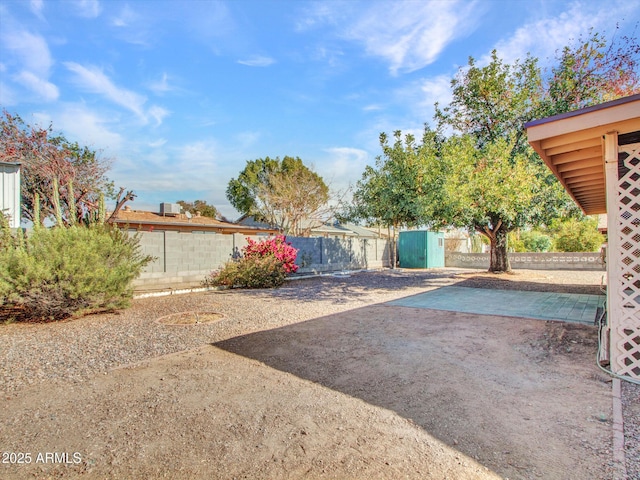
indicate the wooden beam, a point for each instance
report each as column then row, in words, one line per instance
column 570, row 147
column 567, row 167
column 586, row 183
column 580, row 173
column 593, row 176
column 579, row 154
column 589, row 192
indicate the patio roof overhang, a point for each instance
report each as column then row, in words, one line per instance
column 571, row 144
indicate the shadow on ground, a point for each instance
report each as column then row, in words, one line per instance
column 490, row 387
column 344, row 289
column 503, row 282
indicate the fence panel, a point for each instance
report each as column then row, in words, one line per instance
column 183, row 259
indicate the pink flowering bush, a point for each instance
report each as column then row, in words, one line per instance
column 263, row 264
column 277, row 247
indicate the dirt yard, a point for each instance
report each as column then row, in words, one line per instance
column 319, row 379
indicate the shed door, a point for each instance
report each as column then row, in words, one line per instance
column 413, row 249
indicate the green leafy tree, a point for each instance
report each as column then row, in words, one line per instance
column 284, row 193
column 199, row 206
column 495, row 184
column 591, row 72
column 489, row 192
column 404, row 186
column 490, row 106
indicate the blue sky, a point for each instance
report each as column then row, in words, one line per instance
column 180, row 94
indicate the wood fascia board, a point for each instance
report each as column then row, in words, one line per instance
column 558, row 139
column 600, row 121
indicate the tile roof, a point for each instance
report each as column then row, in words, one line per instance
column 136, row 218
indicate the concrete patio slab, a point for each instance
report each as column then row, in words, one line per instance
column 568, row 307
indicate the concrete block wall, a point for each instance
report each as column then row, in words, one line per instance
column 317, row 254
column 183, row 259
column 530, row 261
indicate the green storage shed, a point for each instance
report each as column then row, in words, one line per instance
column 421, row 249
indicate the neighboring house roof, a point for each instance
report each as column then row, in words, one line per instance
column 318, row 229
column 326, row 230
column 250, row 221
column 571, row 146
column 152, row 220
column 361, row 232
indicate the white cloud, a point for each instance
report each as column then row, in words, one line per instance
column 80, row 124
column 432, row 90
column 191, row 166
column 420, row 97
column 36, row 7
column 8, row 96
column 247, row 139
column 161, row 86
column 158, row 143
column 29, row 54
column 257, row 61
column 30, row 50
column 134, row 27
column 158, row 114
column 543, row 37
column 343, row 166
column 321, row 13
column 88, row 8
column 126, row 17
column 411, row 35
column 44, row 89
column 94, row 80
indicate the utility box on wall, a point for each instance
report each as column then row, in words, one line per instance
column 421, row 249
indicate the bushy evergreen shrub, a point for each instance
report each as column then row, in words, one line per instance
column 578, row 236
column 263, row 264
column 529, row 241
column 54, row 273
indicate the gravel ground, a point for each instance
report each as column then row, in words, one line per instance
column 77, row 350
column 33, row 353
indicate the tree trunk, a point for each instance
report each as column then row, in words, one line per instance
column 393, row 246
column 499, row 259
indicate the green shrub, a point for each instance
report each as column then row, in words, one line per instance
column 578, row 236
column 55, row 273
column 248, row 272
column 529, row 241
column 537, row 242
